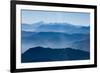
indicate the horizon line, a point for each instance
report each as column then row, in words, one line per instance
column 48, row 23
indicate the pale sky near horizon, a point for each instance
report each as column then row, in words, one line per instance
column 75, row 18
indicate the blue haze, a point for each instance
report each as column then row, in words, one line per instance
column 53, row 33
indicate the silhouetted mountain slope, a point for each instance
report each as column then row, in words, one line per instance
column 40, row 54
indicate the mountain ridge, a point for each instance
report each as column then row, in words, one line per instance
column 41, row 54
column 55, row 27
column 51, row 39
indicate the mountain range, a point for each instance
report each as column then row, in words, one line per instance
column 40, row 54
column 55, row 27
column 49, row 40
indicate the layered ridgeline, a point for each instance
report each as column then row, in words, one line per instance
column 55, row 36
column 55, row 27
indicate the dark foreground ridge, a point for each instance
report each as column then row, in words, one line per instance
column 40, row 54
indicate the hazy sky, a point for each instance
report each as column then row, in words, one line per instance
column 30, row 17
